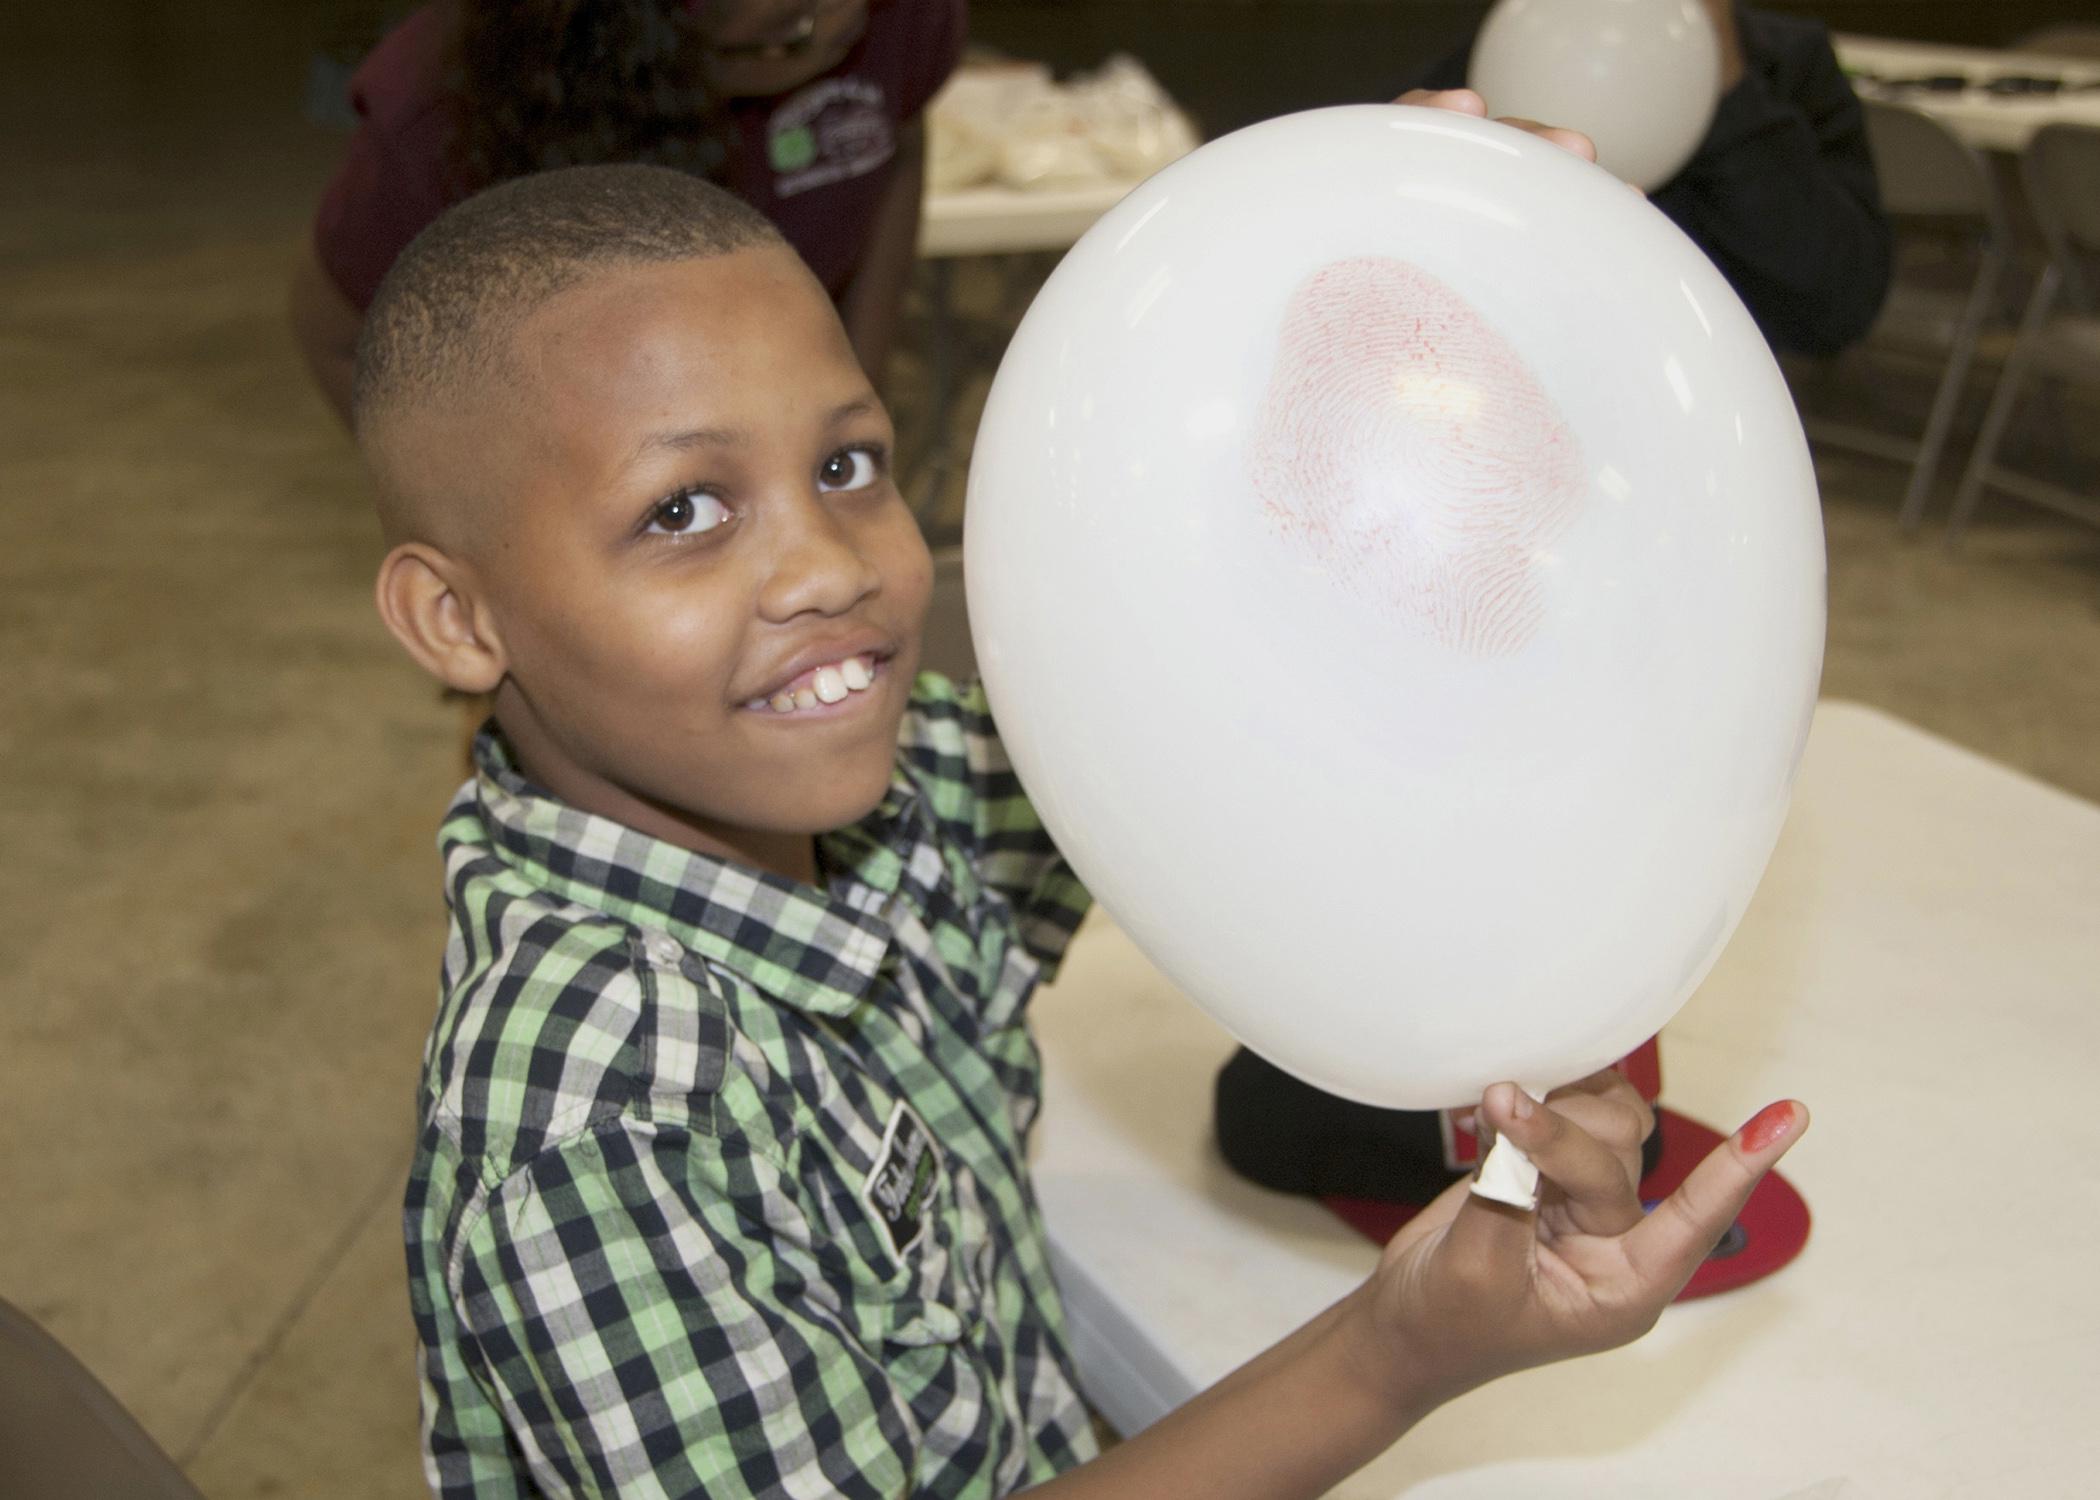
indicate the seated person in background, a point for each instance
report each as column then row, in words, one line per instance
column 808, row 109
column 1781, row 193
column 722, row 1184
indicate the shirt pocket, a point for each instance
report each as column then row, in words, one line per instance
column 929, row 1293
column 930, row 1312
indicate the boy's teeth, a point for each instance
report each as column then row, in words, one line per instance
column 830, row 684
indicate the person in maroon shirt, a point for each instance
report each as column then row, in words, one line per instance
column 810, row 110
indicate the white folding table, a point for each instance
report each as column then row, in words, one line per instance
column 1986, row 120
column 1005, row 221
column 1921, row 964
column 984, row 221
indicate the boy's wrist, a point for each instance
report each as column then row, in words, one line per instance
column 1385, row 1362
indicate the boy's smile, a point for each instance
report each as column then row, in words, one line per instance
column 826, row 685
column 701, row 584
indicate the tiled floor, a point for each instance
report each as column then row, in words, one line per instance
column 219, row 781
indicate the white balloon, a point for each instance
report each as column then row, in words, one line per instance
column 1397, row 570
column 1641, row 78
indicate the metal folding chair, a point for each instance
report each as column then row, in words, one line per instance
column 2060, row 332
column 1932, row 184
column 63, row 1436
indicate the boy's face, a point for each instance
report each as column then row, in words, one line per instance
column 708, row 590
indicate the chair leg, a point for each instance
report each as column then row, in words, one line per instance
column 1953, row 383
column 2003, row 400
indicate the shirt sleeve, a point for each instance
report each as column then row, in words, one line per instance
column 954, row 743
column 1782, row 195
column 641, row 1332
column 1017, row 855
column 467, row 1450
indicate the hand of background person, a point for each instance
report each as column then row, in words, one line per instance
column 1731, row 37
column 1471, row 1289
column 1466, row 102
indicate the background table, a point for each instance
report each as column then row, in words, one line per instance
column 982, row 221
column 1921, row 963
column 1004, row 221
column 1987, row 121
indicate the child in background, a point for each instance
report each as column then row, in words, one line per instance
column 721, row 1186
column 808, row 109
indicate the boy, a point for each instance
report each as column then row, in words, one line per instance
column 721, row 1187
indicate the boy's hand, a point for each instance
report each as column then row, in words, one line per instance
column 1466, row 102
column 1471, row 1290
column 1608, row 1108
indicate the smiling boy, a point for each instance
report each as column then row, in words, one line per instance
column 721, row 1186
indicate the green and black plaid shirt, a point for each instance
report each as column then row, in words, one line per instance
column 720, row 1188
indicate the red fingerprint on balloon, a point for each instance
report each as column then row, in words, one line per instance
column 1405, row 448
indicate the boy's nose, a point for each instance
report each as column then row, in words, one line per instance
column 818, row 565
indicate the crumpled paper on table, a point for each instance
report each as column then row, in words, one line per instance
column 1014, row 126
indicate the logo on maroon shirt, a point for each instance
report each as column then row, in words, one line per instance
column 834, row 129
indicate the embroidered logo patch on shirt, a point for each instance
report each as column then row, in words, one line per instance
column 902, row 1179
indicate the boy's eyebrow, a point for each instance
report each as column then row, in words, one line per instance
column 686, row 439
column 691, row 437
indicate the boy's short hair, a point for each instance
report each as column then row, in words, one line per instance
column 447, row 307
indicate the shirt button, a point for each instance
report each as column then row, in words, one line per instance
column 664, row 950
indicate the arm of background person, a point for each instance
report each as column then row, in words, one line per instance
column 1782, row 196
column 390, row 183
column 324, row 325
column 874, row 299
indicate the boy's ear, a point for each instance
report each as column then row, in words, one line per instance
column 428, row 602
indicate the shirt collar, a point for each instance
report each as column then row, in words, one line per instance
column 817, row 949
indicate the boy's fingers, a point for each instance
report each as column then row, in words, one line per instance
column 1467, row 102
column 1568, row 140
column 1605, row 1083
column 1666, row 1247
column 1489, row 1244
column 1600, row 1199
column 1461, row 101
column 1609, row 1107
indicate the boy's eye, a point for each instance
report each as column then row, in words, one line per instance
column 687, row 513
column 851, row 469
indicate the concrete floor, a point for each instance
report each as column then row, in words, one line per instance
column 219, row 779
